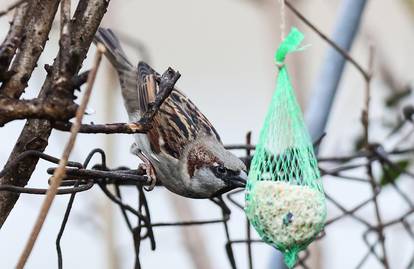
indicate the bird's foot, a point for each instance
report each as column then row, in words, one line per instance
column 150, row 171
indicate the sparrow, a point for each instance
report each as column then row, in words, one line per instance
column 182, row 146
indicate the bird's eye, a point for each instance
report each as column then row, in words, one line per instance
column 221, row 169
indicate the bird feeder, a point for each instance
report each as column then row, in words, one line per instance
column 285, row 201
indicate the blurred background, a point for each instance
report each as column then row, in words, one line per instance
column 224, row 50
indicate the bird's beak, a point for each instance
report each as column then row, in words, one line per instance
column 238, row 181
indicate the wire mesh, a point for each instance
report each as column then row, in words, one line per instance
column 80, row 178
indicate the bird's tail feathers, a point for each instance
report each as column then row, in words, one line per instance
column 114, row 51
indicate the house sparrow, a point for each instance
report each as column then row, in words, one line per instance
column 182, row 146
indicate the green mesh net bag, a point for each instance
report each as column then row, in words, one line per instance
column 285, row 201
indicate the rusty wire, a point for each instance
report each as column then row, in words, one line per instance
column 79, row 178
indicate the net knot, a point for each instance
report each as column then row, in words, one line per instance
column 280, row 65
column 290, row 44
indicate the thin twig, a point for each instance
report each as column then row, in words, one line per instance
column 109, row 128
column 343, row 52
column 60, row 172
column 11, row 7
column 365, row 123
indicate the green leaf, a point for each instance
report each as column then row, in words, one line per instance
column 391, row 174
column 395, row 98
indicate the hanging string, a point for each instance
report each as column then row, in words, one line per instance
column 282, row 19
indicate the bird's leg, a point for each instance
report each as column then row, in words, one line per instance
column 147, row 166
column 149, row 169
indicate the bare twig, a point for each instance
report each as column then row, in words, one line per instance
column 343, row 52
column 166, row 85
column 109, row 128
column 12, row 6
column 365, row 123
column 37, row 108
column 12, row 109
column 60, row 171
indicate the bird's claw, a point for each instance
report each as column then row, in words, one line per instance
column 149, row 170
column 152, row 179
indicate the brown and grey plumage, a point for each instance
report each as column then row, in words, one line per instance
column 183, row 146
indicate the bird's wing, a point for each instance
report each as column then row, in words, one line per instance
column 128, row 74
column 147, row 88
column 135, row 91
column 178, row 121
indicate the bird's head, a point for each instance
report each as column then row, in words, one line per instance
column 213, row 170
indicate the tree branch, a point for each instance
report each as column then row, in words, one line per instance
column 13, row 39
column 42, row 13
column 374, row 187
column 332, row 43
column 110, row 128
column 166, row 83
column 35, row 134
column 12, row 109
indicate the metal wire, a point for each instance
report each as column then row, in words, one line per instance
column 79, row 178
